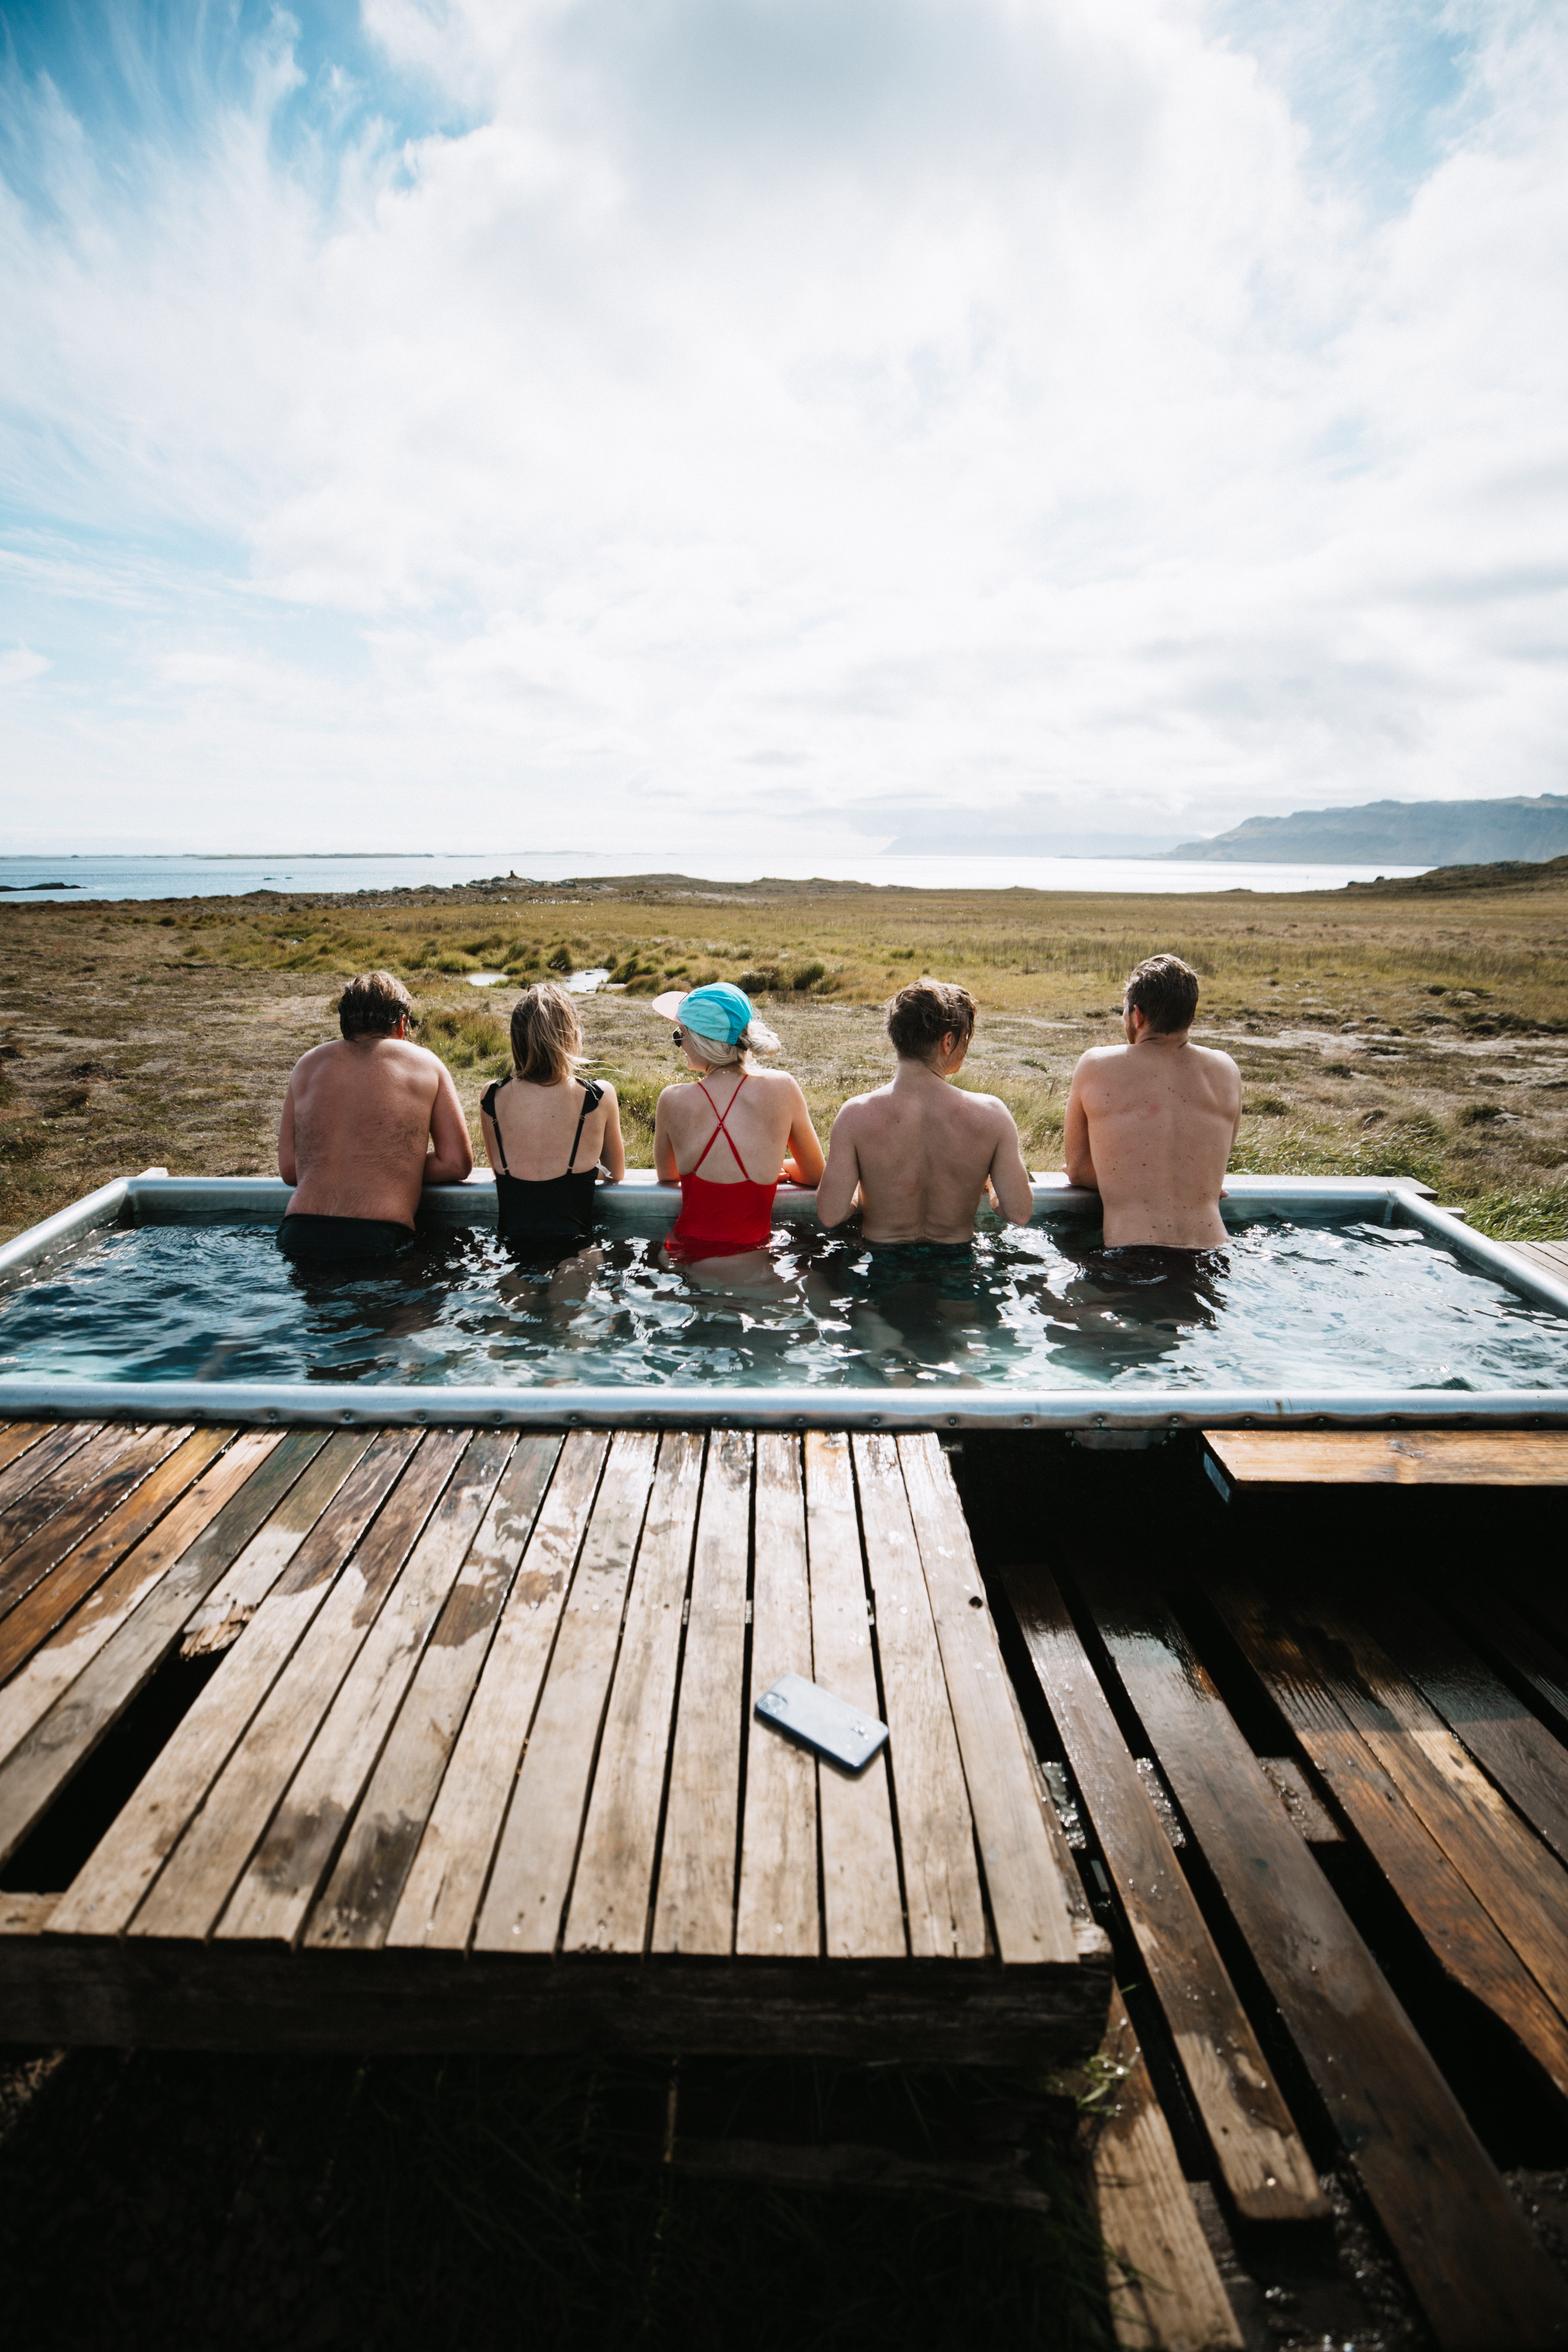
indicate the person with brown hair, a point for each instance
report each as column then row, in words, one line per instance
column 918, row 1154
column 728, row 1149
column 1151, row 1124
column 554, row 1136
column 367, row 1123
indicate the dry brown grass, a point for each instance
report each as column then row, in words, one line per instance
column 1392, row 1033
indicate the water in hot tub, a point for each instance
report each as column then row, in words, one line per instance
column 1288, row 1305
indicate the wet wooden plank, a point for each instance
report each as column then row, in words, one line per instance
column 612, row 1888
column 522, row 1911
column 60, row 1440
column 1511, row 1875
column 368, row 1878
column 1029, row 1904
column 441, row 1898
column 72, row 1479
column 66, row 1585
column 61, row 1741
column 235, row 1598
column 863, row 1909
column 18, row 1437
column 103, row 1896
column 114, row 1481
column 1466, row 1942
column 206, row 1863
column 1494, row 1625
column 1166, row 2294
column 1367, row 1457
column 1265, row 2165
column 276, row 1892
column 694, row 1909
column 1517, row 1750
column 776, row 1909
column 935, row 1830
column 1466, row 2248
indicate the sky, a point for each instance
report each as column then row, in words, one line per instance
column 681, row 424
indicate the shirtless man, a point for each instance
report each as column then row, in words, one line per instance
column 922, row 1152
column 1150, row 1125
column 358, row 1121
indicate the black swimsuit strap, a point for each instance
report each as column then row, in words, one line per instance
column 593, row 1095
column 488, row 1104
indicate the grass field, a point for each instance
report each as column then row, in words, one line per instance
column 1413, row 1029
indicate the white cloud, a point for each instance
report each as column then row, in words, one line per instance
column 923, row 403
column 19, row 665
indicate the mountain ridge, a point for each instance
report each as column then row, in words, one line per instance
column 1399, row 832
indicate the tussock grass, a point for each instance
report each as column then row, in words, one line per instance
column 1448, row 1015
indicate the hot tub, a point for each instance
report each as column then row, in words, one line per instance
column 1343, row 1301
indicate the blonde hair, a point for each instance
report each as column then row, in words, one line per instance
column 546, row 1035
column 756, row 1037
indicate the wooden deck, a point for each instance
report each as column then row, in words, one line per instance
column 434, row 1740
column 477, row 1765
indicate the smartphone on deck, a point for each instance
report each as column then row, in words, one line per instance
column 814, row 1716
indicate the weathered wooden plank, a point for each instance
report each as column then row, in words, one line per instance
column 442, row 1895
column 66, row 1528
column 61, row 1589
column 863, row 1910
column 103, row 1896
column 1266, row 2166
column 1028, row 1901
column 694, row 1910
column 1166, row 2294
column 776, row 1909
column 367, row 1881
column 1474, row 2267
column 936, row 1835
column 1466, row 1942
column 57, row 1662
column 60, row 1441
column 1375, row 1457
column 538, row 1849
column 119, row 1992
column 1496, row 1627
column 18, row 1437
column 195, row 1881
column 613, row 1885
column 60, row 1742
column 1511, row 1874
column 235, row 1598
column 1528, row 1763
column 279, row 1884
column 78, row 1474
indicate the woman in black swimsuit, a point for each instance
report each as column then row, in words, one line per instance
column 548, row 1136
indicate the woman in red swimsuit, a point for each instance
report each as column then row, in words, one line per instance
column 724, row 1135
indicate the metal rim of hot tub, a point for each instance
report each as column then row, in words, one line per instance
column 156, row 1197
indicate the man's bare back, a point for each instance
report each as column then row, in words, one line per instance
column 357, row 1122
column 1149, row 1127
column 920, row 1151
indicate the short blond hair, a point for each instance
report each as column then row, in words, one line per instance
column 546, row 1035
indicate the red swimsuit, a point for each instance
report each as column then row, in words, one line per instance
column 719, row 1218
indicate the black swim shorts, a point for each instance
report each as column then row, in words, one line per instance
column 318, row 1239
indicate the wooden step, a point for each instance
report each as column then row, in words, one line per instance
column 1236, row 1459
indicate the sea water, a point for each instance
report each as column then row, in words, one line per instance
column 1286, row 1305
